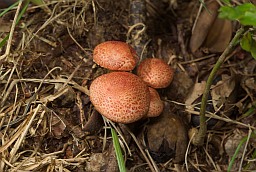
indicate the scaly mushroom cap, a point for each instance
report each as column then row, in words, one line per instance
column 120, row 96
column 156, row 105
column 115, row 55
column 155, row 72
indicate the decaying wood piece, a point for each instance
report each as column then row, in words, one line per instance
column 137, row 36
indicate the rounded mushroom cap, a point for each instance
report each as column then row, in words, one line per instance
column 115, row 55
column 120, row 96
column 156, row 105
column 155, row 72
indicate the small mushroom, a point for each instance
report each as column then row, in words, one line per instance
column 155, row 72
column 156, row 105
column 115, row 55
column 120, row 96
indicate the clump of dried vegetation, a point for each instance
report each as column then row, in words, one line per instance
column 47, row 122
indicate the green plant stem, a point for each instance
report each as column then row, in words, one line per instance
column 199, row 137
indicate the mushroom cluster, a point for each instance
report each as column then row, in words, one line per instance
column 124, row 97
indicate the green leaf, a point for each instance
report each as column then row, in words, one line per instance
column 253, row 49
column 3, row 42
column 249, row 44
column 245, row 13
column 249, row 18
column 246, row 42
column 227, row 12
column 253, row 52
column 245, row 7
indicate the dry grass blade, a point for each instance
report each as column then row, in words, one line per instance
column 23, row 128
column 211, row 115
column 23, row 134
column 47, row 81
column 52, row 18
column 214, row 116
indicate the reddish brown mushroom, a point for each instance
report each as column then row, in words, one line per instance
column 155, row 72
column 120, row 96
column 115, row 55
column 156, row 105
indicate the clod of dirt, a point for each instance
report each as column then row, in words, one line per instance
column 95, row 162
column 5, row 26
column 167, row 137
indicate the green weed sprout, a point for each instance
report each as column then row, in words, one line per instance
column 119, row 155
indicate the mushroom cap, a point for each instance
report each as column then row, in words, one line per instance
column 156, row 105
column 155, row 72
column 115, row 55
column 120, row 96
